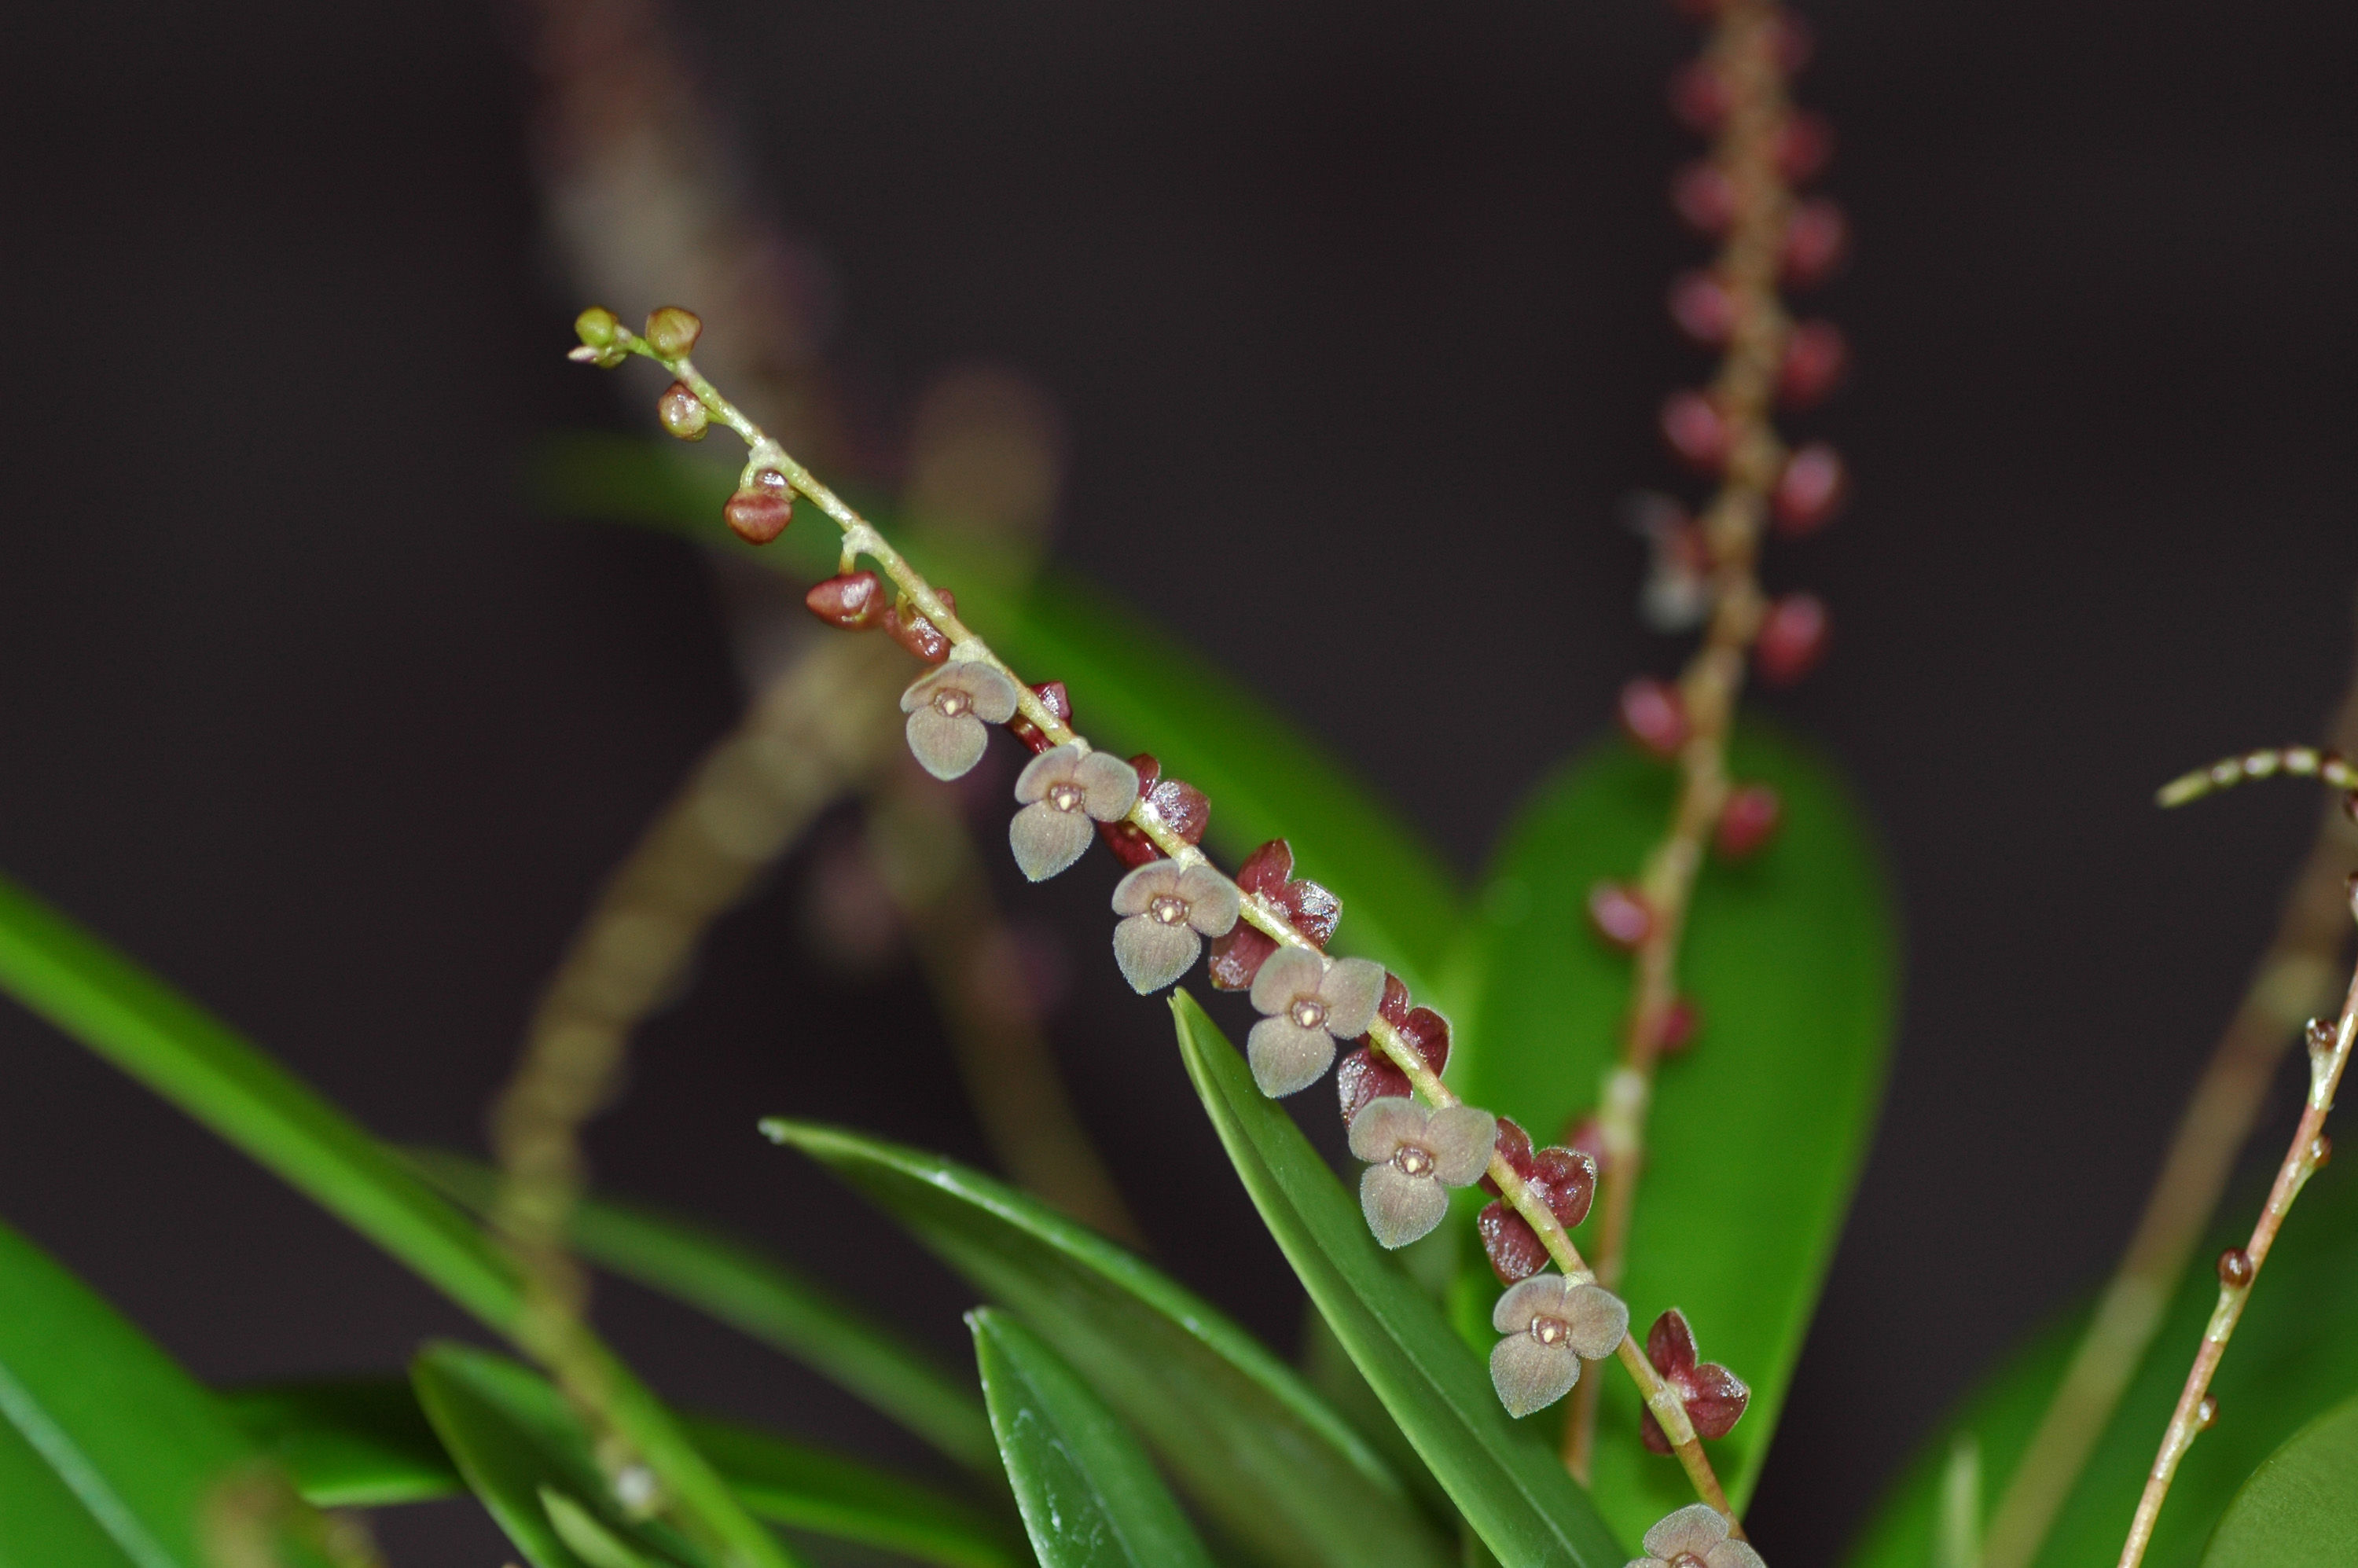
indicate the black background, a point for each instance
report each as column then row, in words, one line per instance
column 300, row 704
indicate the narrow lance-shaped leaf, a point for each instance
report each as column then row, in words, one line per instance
column 1243, row 1434
column 1756, row 1133
column 350, row 1443
column 1504, row 1477
column 746, row 1288
column 1089, row 1494
column 2300, row 1509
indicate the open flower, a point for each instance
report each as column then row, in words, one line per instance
column 1062, row 790
column 1415, row 1152
column 1695, row 1537
column 1551, row 1323
column 1311, row 1003
column 1170, row 912
column 947, row 709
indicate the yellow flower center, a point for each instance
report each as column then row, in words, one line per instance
column 949, row 702
column 1064, row 797
column 1550, row 1330
column 1169, row 909
column 1413, row 1161
column 1308, row 1011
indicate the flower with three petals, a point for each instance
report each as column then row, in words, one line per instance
column 1415, row 1153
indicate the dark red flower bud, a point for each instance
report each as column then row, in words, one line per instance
column 1566, row 1180
column 1362, row 1076
column 1698, row 97
column 682, row 413
column 1816, row 355
column 914, row 632
column 1810, row 491
column 1696, row 430
column 1703, row 308
column 1183, row 807
column 1817, row 238
column 1704, row 198
column 1237, row 958
column 1267, row 869
column 1057, row 700
column 1393, row 1006
column 1792, row 639
column 1713, row 1396
column 1678, row 1028
column 1513, row 1146
column 1749, row 820
column 671, row 331
column 1619, row 915
column 1654, row 715
column 1804, row 147
column 1310, row 908
column 2235, row 1270
column 2320, row 1150
column 758, row 516
column 854, row 602
column 1514, row 1247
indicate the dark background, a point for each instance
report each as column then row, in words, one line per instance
column 302, row 705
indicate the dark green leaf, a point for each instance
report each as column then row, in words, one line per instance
column 351, row 1442
column 744, row 1287
column 1758, row 1134
column 1503, row 1476
column 1135, row 688
column 2291, row 1358
column 193, row 1060
column 2300, row 1509
column 1261, row 1454
column 1089, row 1494
column 94, row 1418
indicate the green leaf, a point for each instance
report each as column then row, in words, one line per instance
column 746, row 1288
column 516, row 1442
column 1136, row 689
column 2300, row 1509
column 2291, row 1358
column 191, row 1058
column 1089, row 1494
column 348, row 1442
column 96, row 1422
column 1758, row 1133
column 1259, row 1452
column 1503, row 1476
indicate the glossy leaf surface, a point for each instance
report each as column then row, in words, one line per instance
column 738, row 1283
column 2300, row 1509
column 1089, row 1494
column 2290, row 1359
column 1256, row 1450
column 1135, row 688
column 1502, row 1474
column 1756, row 1133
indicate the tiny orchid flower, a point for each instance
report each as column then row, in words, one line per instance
column 1551, row 1324
column 1713, row 1396
column 1695, row 1537
column 1063, row 789
column 1169, row 913
column 1414, row 1152
column 947, row 709
column 1311, row 1003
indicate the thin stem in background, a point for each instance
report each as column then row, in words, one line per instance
column 2292, row 981
column 1743, row 51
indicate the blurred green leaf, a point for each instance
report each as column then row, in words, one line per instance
column 348, row 1442
column 1259, row 1452
column 95, row 1420
column 2300, row 1509
column 2291, row 1358
column 1089, row 1494
column 514, row 1440
column 1503, row 1476
column 1758, row 1135
column 1135, row 689
column 183, row 1053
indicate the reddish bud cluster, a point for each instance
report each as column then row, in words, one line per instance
column 1696, row 430
column 1565, row 1179
column 1792, row 639
column 853, row 601
column 1816, row 356
column 1704, row 308
column 1619, row 914
column 1057, row 700
column 1237, row 958
column 914, row 632
column 1749, row 820
column 1654, row 715
column 761, row 514
column 1810, row 491
column 682, row 413
column 1817, row 238
column 1366, row 1073
column 1713, row 1396
column 1184, row 808
column 671, row 331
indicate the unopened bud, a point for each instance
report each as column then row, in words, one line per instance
column 2235, row 1269
column 682, row 413
column 2321, row 1151
column 1704, row 198
column 2206, row 1413
column 1817, row 237
column 1619, row 915
column 2323, row 1032
column 1810, row 491
column 1696, row 430
column 1749, row 820
column 854, row 601
column 1816, row 355
column 903, row 624
column 1654, row 715
column 1057, row 701
column 1703, row 308
column 597, row 327
column 671, row 331
column 1792, row 639
column 1804, row 147
column 1699, row 97
column 1681, row 1021
column 758, row 516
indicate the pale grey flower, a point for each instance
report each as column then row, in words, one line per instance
column 1061, row 789
column 1413, row 1152
column 947, row 709
column 1695, row 1537
column 1170, row 912
column 1311, row 1003
column 1551, row 1323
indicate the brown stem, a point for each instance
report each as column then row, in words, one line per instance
column 2291, row 981
column 1743, row 51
